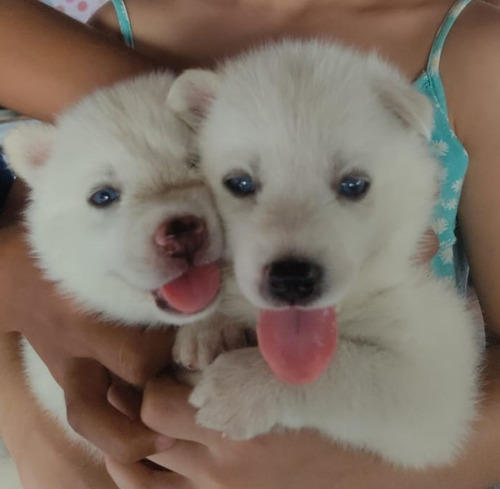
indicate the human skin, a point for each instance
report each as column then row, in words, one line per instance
column 203, row 459
column 196, row 32
column 40, row 448
column 53, row 60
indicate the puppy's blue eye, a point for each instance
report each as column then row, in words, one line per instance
column 241, row 185
column 353, row 187
column 104, row 197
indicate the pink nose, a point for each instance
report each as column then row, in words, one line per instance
column 182, row 236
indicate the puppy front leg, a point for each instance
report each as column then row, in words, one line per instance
column 197, row 345
column 408, row 403
column 239, row 395
column 400, row 407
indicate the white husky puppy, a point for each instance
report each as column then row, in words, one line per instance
column 117, row 213
column 319, row 162
column 118, row 216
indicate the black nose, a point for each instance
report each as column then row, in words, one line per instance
column 294, row 281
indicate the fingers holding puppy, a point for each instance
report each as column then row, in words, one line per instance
column 93, row 417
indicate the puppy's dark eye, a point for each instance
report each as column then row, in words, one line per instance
column 104, row 197
column 353, row 187
column 240, row 185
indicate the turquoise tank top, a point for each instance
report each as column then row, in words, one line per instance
column 449, row 262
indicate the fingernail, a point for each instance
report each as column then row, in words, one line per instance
column 163, row 443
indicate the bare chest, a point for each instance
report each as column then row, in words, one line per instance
column 402, row 34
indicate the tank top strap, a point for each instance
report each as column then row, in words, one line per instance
column 440, row 39
column 124, row 22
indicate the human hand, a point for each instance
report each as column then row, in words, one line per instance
column 81, row 351
column 203, row 459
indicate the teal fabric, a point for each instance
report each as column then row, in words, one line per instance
column 124, row 22
column 449, row 261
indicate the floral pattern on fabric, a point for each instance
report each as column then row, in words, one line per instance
column 448, row 149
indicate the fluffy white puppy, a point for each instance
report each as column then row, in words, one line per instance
column 118, row 215
column 319, row 162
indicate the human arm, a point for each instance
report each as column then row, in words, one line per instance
column 50, row 60
column 43, row 455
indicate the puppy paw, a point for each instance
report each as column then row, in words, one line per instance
column 238, row 395
column 198, row 345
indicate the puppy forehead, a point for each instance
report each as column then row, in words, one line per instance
column 297, row 109
column 125, row 145
column 302, row 83
column 263, row 143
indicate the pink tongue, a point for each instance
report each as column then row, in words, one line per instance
column 194, row 290
column 298, row 344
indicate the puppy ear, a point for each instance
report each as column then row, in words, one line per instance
column 191, row 95
column 27, row 148
column 412, row 107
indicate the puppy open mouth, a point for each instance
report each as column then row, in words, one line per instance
column 298, row 344
column 192, row 292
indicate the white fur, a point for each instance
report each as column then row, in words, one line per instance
column 106, row 259
column 296, row 117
